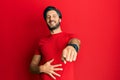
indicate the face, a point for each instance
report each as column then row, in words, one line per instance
column 53, row 20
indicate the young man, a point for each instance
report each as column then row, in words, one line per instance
column 53, row 59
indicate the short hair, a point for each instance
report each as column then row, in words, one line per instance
column 49, row 8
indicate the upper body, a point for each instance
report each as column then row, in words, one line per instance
column 51, row 47
column 54, row 56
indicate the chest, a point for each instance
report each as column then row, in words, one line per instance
column 53, row 47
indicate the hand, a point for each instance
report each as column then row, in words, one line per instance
column 69, row 54
column 50, row 69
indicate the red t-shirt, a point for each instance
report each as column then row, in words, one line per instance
column 51, row 47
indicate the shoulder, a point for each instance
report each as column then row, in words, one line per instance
column 72, row 35
column 67, row 34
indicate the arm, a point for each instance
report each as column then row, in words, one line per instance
column 70, row 53
column 75, row 41
column 34, row 68
column 46, row 68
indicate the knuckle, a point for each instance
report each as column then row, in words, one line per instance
column 50, row 68
column 47, row 62
column 73, row 53
column 50, row 71
column 69, row 49
column 65, row 50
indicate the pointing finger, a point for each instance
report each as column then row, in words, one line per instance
column 64, row 53
column 68, row 55
column 71, row 56
column 74, row 56
column 64, row 60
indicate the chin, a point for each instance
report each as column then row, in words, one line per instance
column 51, row 26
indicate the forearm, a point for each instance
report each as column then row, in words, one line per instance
column 35, row 69
column 34, row 66
column 70, row 51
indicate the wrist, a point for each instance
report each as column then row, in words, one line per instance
column 74, row 46
column 41, row 69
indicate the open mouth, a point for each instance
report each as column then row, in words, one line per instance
column 52, row 22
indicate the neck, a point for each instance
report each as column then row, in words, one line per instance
column 58, row 30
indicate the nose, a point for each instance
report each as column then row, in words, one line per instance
column 51, row 18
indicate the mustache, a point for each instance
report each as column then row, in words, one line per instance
column 51, row 21
column 55, row 27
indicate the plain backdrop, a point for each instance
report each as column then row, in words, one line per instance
column 96, row 22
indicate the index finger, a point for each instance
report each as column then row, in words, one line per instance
column 64, row 60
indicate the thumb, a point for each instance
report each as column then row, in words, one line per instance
column 64, row 56
column 64, row 60
column 50, row 61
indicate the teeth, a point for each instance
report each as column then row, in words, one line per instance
column 52, row 22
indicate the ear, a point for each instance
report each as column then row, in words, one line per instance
column 60, row 20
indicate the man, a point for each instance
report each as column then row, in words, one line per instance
column 56, row 52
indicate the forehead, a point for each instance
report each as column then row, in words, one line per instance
column 52, row 12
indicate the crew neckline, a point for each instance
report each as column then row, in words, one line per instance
column 57, row 33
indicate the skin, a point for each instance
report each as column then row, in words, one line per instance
column 69, row 54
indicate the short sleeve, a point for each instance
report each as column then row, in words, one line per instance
column 73, row 36
column 37, row 51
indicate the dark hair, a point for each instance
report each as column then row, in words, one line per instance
column 49, row 8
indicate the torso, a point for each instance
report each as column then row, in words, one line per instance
column 51, row 47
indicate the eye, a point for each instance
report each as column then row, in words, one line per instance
column 48, row 17
column 54, row 16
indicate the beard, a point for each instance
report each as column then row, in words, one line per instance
column 54, row 27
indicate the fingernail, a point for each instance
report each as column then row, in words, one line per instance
column 74, row 59
column 64, row 62
column 61, row 69
column 67, row 59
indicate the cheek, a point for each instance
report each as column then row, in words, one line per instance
column 58, row 21
column 47, row 21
